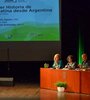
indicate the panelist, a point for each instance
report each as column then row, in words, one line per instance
column 85, row 63
column 57, row 62
column 71, row 64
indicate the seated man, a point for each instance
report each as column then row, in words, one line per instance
column 57, row 62
column 85, row 63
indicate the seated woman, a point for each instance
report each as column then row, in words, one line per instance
column 71, row 63
column 57, row 62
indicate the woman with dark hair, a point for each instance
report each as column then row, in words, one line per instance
column 71, row 62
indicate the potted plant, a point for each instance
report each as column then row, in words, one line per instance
column 46, row 65
column 61, row 86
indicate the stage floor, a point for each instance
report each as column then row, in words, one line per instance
column 20, row 91
column 33, row 92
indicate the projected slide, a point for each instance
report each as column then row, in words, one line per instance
column 29, row 20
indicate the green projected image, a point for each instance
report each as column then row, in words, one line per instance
column 29, row 20
column 32, row 33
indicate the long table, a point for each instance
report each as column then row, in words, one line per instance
column 77, row 81
column 85, row 82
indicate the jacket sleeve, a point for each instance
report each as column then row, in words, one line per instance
column 61, row 64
